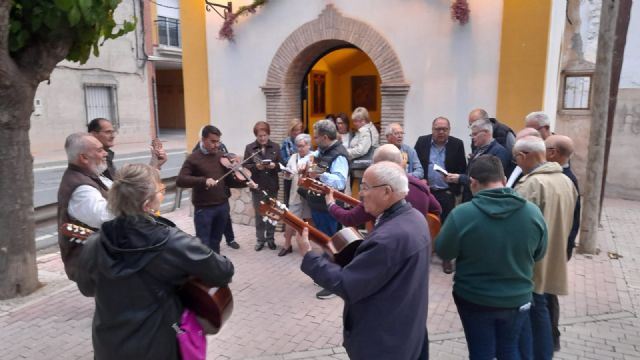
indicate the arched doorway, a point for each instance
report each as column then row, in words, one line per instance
column 337, row 82
column 303, row 47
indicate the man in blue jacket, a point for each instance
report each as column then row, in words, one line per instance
column 495, row 238
column 385, row 287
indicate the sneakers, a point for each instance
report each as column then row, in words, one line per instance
column 325, row 294
column 233, row 245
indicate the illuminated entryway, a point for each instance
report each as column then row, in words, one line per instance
column 302, row 49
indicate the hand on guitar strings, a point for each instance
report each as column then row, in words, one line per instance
column 304, row 246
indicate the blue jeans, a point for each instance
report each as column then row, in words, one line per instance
column 535, row 340
column 210, row 223
column 324, row 222
column 491, row 333
column 229, row 235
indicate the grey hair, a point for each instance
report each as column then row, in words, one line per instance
column 482, row 125
column 391, row 174
column 133, row 185
column 539, row 117
column 75, row 144
column 388, row 130
column 484, row 115
column 360, row 113
column 530, row 144
column 387, row 152
column 326, row 127
column 303, row 137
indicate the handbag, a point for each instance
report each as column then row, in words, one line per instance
column 191, row 338
column 364, row 161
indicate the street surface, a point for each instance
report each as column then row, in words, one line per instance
column 277, row 316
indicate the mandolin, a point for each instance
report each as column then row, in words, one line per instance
column 212, row 305
column 341, row 247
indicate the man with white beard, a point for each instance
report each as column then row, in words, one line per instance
column 82, row 193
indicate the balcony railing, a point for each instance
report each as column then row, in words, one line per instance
column 168, row 31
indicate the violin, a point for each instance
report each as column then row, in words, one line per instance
column 230, row 161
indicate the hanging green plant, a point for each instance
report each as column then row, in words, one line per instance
column 226, row 32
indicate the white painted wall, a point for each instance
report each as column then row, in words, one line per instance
column 168, row 8
column 451, row 68
column 63, row 103
column 630, row 76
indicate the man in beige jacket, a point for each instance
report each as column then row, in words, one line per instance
column 545, row 185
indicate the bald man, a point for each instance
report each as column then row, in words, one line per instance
column 559, row 149
column 516, row 174
column 502, row 133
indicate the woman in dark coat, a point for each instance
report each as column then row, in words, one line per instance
column 133, row 267
column 264, row 172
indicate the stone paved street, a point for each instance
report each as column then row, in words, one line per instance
column 277, row 316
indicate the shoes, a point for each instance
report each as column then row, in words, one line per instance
column 259, row 246
column 233, row 245
column 285, row 251
column 325, row 294
column 271, row 244
column 447, row 266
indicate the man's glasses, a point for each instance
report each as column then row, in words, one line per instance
column 365, row 187
column 440, row 129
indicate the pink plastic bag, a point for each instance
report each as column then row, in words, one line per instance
column 191, row 338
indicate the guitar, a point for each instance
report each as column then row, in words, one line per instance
column 319, row 188
column 341, row 246
column 213, row 305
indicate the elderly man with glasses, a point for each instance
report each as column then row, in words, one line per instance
column 484, row 143
column 395, row 135
column 389, row 270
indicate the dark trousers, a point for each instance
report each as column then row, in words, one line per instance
column 535, row 339
column 264, row 230
column 210, row 223
column 424, row 354
column 554, row 313
column 324, row 222
column 229, row 236
column 447, row 201
column 492, row 333
column 287, row 190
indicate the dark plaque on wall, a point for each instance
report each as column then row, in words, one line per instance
column 364, row 92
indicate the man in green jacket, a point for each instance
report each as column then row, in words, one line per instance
column 495, row 238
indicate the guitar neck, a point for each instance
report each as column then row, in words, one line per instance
column 346, row 198
column 315, row 235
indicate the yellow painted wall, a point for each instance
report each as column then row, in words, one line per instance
column 523, row 57
column 342, row 90
column 195, row 69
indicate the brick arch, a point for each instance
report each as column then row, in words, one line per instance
column 298, row 52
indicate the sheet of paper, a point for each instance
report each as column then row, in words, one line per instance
column 440, row 169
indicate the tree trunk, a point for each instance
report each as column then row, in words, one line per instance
column 18, row 270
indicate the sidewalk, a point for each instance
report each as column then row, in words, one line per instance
column 276, row 315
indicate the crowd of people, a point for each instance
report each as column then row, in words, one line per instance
column 509, row 212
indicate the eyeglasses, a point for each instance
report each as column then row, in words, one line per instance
column 440, row 129
column 477, row 133
column 365, row 187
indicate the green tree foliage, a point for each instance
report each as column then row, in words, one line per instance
column 87, row 21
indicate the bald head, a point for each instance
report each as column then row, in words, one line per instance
column 387, row 152
column 527, row 132
column 559, row 148
column 478, row 114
